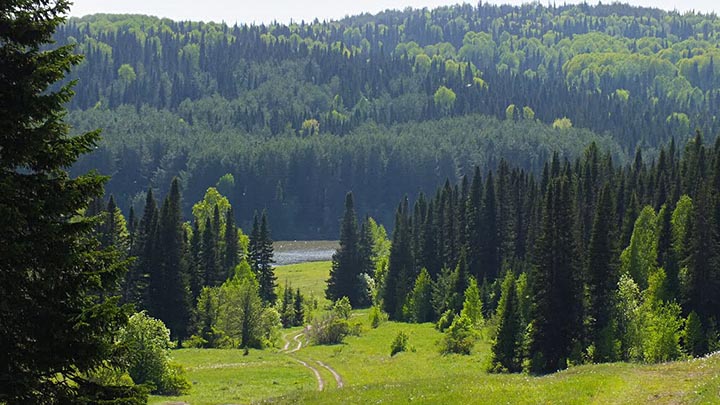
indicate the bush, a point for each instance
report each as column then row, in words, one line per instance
column 342, row 308
column 445, row 321
column 376, row 316
column 460, row 337
column 329, row 329
column 399, row 344
column 147, row 346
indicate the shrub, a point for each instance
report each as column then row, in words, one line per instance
column 147, row 346
column 399, row 344
column 460, row 337
column 376, row 316
column 445, row 321
column 329, row 329
column 342, row 308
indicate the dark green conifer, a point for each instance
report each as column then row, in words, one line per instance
column 506, row 347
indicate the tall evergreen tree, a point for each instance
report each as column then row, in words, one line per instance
column 506, row 353
column 57, row 315
column 231, row 254
column 474, row 229
column 399, row 278
column 169, row 289
column 265, row 272
column 490, row 245
column 346, row 262
column 555, row 289
column 601, row 278
column 211, row 269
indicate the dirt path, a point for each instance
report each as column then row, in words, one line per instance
column 338, row 380
column 321, row 382
column 291, row 352
column 299, row 342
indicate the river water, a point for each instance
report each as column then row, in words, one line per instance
column 301, row 251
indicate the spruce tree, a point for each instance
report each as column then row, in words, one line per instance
column 490, row 245
column 346, row 262
column 556, row 317
column 213, row 275
column 298, row 305
column 601, row 278
column 170, row 293
column 57, row 315
column 266, row 273
column 474, row 228
column 231, row 254
column 506, row 346
column 399, row 278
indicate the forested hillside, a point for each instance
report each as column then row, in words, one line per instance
column 384, row 105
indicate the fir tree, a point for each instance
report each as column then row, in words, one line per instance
column 601, row 278
column 265, row 273
column 213, row 275
column 298, row 305
column 505, row 347
column 57, row 315
column 346, row 262
column 490, row 246
column 231, row 254
column 399, row 277
column 555, row 291
column 170, row 293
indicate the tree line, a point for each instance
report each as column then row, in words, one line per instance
column 178, row 269
column 589, row 262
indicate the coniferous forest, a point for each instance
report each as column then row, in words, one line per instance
column 399, row 101
column 538, row 182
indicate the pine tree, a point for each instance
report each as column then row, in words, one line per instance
column 231, row 254
column 136, row 288
column 474, row 228
column 601, row 278
column 266, row 274
column 400, row 273
column 213, row 274
column 505, row 347
column 57, row 315
column 490, row 246
column 299, row 319
column 555, row 291
column 346, row 262
column 170, row 293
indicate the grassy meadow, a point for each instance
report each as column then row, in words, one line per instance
column 421, row 374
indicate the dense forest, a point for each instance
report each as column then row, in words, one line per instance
column 590, row 261
column 398, row 101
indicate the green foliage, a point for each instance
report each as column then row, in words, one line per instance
column 506, row 346
column 418, row 307
column 472, row 306
column 329, row 329
column 693, row 337
column 203, row 210
column 399, row 344
column 59, row 309
column 460, row 337
column 342, row 308
column 241, row 315
column 444, row 98
column 639, row 260
column 146, row 344
column 376, row 316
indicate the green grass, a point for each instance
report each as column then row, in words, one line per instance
column 308, row 277
column 421, row 374
column 226, row 376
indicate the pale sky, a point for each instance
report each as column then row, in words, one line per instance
column 263, row 11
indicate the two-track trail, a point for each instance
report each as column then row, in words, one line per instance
column 298, row 339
